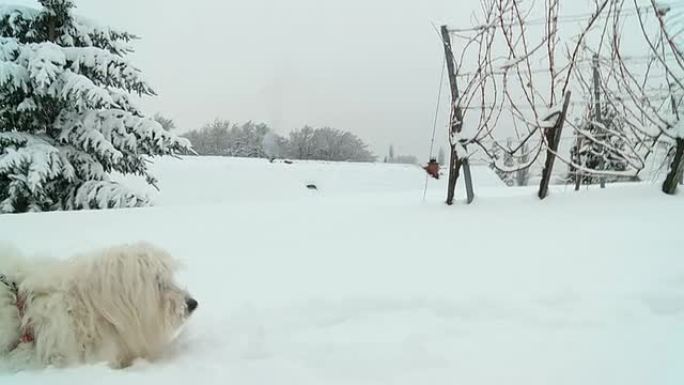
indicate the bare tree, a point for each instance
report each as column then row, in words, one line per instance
column 301, row 143
column 328, row 144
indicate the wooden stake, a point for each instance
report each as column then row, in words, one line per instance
column 455, row 125
column 676, row 169
column 553, row 135
column 468, row 181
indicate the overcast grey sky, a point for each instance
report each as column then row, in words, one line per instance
column 368, row 66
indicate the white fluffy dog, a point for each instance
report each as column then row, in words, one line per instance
column 113, row 305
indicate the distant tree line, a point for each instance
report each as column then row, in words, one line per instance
column 257, row 140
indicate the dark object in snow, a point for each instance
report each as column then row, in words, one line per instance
column 432, row 168
column 311, row 187
column 286, row 161
column 676, row 169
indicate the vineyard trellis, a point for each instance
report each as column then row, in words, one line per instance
column 513, row 72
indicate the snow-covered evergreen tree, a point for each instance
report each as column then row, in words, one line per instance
column 600, row 146
column 66, row 116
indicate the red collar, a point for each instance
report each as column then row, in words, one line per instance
column 26, row 333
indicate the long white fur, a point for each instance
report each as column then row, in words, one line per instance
column 113, row 305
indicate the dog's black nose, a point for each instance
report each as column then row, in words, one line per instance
column 191, row 303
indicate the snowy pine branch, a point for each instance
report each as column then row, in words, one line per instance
column 24, row 24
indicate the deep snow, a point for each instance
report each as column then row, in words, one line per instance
column 361, row 282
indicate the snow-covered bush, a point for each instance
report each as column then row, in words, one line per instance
column 221, row 137
column 328, row 144
column 66, row 116
column 602, row 146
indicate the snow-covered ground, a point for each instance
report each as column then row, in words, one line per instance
column 363, row 282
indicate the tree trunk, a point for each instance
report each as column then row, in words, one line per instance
column 52, row 29
column 676, row 169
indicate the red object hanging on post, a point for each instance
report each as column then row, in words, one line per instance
column 432, row 168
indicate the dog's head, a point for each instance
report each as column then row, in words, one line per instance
column 134, row 290
column 175, row 303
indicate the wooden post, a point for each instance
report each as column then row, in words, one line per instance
column 553, row 135
column 676, row 169
column 469, row 180
column 454, row 171
column 455, row 125
column 677, row 166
